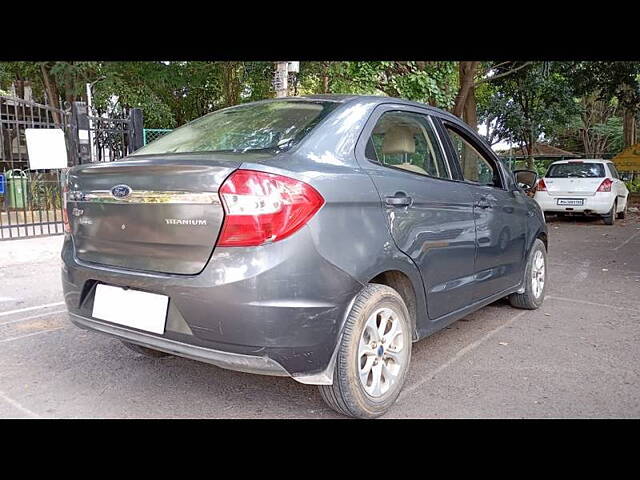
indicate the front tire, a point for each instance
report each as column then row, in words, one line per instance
column 623, row 213
column 373, row 355
column 535, row 279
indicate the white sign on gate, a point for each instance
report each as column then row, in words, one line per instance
column 46, row 148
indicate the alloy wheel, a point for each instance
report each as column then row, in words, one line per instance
column 381, row 352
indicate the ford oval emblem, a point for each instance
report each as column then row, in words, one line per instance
column 121, row 191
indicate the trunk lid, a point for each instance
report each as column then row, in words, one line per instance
column 165, row 215
column 572, row 186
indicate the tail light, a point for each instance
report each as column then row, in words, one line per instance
column 262, row 207
column 65, row 217
column 542, row 187
column 605, row 186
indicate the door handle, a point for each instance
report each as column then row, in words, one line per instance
column 483, row 203
column 400, row 199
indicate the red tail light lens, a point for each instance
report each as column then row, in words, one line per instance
column 542, row 187
column 262, row 207
column 605, row 186
column 65, row 217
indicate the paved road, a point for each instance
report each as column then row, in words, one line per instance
column 577, row 356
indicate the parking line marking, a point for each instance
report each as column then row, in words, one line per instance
column 461, row 353
column 16, row 405
column 627, row 240
column 28, row 309
column 9, row 322
column 585, row 302
column 11, row 339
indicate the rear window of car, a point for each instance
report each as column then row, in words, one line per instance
column 576, row 170
column 269, row 127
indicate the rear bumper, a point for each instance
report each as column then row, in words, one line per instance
column 277, row 309
column 232, row 361
column 599, row 203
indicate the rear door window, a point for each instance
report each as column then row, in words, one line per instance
column 407, row 141
column 576, row 170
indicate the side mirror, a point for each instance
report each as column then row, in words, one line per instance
column 526, row 180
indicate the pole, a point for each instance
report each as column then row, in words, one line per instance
column 282, row 79
column 89, row 111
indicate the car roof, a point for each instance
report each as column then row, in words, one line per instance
column 376, row 99
column 583, row 160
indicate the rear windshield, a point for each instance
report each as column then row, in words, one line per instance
column 577, row 170
column 270, row 127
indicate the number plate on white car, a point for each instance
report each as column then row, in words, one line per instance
column 131, row 308
column 570, row 201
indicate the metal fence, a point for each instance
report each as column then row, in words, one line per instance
column 151, row 134
column 31, row 200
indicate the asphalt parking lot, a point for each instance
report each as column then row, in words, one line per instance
column 576, row 357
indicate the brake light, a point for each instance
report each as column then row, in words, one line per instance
column 65, row 217
column 263, row 207
column 542, row 187
column 605, row 186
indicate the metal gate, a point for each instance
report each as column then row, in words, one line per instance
column 31, row 200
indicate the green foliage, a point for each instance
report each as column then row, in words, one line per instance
column 619, row 80
column 527, row 104
column 429, row 82
column 44, row 191
column 541, row 99
column 633, row 185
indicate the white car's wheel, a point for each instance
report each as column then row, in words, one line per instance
column 623, row 213
column 610, row 218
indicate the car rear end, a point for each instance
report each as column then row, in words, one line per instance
column 576, row 186
column 192, row 254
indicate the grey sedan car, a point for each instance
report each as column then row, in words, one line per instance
column 313, row 237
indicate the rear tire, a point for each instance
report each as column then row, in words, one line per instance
column 609, row 218
column 533, row 295
column 623, row 213
column 147, row 352
column 373, row 355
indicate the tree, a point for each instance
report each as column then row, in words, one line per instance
column 528, row 103
column 595, row 130
column 609, row 81
column 470, row 78
column 427, row 82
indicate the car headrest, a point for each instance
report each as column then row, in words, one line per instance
column 398, row 140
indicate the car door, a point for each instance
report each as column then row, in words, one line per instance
column 499, row 210
column 430, row 216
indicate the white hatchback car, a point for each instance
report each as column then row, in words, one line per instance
column 583, row 186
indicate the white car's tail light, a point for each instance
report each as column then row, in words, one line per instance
column 542, row 187
column 263, row 207
column 605, row 186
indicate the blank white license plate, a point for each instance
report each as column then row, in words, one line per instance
column 132, row 308
column 570, row 201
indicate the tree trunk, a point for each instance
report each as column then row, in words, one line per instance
column 466, row 74
column 230, row 84
column 531, row 164
column 325, row 77
column 629, row 128
column 52, row 93
column 470, row 114
column 19, row 87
